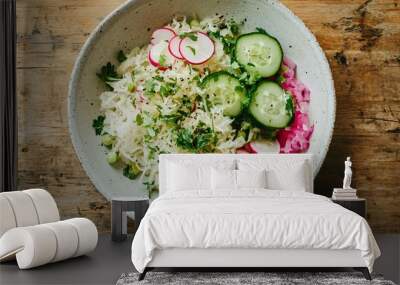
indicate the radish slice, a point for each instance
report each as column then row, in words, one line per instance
column 248, row 147
column 160, row 57
column 173, row 47
column 163, row 34
column 265, row 146
column 241, row 151
column 197, row 51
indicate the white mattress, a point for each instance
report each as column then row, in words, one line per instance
column 252, row 219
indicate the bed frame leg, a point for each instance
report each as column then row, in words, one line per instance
column 143, row 274
column 364, row 271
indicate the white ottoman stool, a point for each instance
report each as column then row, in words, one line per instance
column 31, row 232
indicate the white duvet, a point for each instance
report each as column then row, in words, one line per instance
column 253, row 218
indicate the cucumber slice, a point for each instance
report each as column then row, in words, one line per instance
column 224, row 89
column 271, row 106
column 260, row 54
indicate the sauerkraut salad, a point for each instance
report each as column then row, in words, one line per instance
column 200, row 86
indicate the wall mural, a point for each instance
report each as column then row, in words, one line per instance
column 221, row 83
column 200, row 86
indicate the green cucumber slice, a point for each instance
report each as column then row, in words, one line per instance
column 271, row 106
column 260, row 54
column 224, row 89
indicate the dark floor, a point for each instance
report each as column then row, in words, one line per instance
column 110, row 260
column 103, row 266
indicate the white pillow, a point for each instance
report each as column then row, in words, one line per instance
column 227, row 179
column 182, row 177
column 283, row 174
column 223, row 179
column 293, row 179
column 251, row 179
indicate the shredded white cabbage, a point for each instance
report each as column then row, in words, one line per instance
column 144, row 119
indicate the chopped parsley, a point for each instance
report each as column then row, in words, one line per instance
column 234, row 28
column 139, row 120
column 108, row 74
column 289, row 105
column 163, row 60
column 261, row 30
column 131, row 87
column 192, row 49
column 202, row 139
column 98, row 125
column 149, row 87
column 190, row 35
column 184, row 139
column 131, row 171
column 121, row 57
column 167, row 89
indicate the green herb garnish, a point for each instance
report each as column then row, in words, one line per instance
column 149, row 87
column 261, row 30
column 131, row 87
column 190, row 35
column 132, row 171
column 201, row 140
column 184, row 139
column 192, row 49
column 289, row 105
column 167, row 89
column 234, row 28
column 108, row 74
column 121, row 57
column 139, row 120
column 163, row 60
column 98, row 125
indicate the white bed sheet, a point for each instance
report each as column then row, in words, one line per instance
column 252, row 218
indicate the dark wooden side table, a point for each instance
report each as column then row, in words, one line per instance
column 119, row 207
column 357, row 205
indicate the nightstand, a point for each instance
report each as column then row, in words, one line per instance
column 119, row 207
column 357, row 205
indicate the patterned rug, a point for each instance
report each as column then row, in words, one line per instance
column 244, row 278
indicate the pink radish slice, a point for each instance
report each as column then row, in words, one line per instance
column 159, row 51
column 163, row 34
column 197, row 51
column 265, row 146
column 248, row 147
column 173, row 47
column 153, row 63
column 241, row 151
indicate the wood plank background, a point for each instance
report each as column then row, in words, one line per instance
column 362, row 42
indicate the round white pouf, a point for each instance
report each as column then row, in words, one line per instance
column 33, row 246
column 46, row 207
column 22, row 207
column 87, row 233
column 40, row 244
column 67, row 240
column 7, row 219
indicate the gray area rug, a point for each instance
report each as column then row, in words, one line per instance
column 233, row 278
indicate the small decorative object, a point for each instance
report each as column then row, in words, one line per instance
column 347, row 192
column 347, row 174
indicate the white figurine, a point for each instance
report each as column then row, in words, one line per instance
column 347, row 174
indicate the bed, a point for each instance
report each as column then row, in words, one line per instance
column 231, row 210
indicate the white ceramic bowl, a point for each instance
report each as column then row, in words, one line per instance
column 132, row 24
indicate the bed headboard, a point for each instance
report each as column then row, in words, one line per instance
column 212, row 158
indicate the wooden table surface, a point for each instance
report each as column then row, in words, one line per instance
column 361, row 40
